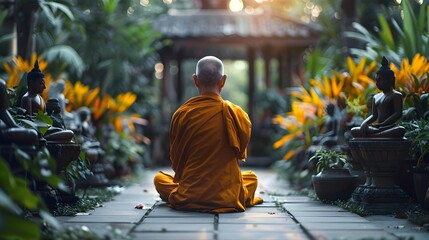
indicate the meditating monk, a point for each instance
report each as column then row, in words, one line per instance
column 208, row 136
column 386, row 109
column 32, row 102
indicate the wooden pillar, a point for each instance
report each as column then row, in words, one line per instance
column 179, row 82
column 281, row 70
column 165, row 59
column 251, row 89
column 267, row 66
column 289, row 69
column 26, row 17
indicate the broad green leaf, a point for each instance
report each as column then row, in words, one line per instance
column 13, row 226
column 385, row 33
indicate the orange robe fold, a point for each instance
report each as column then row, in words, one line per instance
column 208, row 136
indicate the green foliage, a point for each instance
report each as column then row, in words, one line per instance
column 351, row 207
column 89, row 199
column 298, row 176
column 122, row 149
column 355, row 107
column 77, row 170
column 420, row 108
column 17, row 197
column 329, row 159
column 396, row 40
column 418, row 132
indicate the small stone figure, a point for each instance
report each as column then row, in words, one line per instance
column 329, row 136
column 386, row 109
column 56, row 91
column 32, row 102
column 10, row 132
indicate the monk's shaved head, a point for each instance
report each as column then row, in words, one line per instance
column 209, row 71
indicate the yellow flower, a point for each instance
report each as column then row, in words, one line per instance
column 21, row 66
column 412, row 77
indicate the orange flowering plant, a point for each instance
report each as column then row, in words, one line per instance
column 308, row 104
column 355, row 83
column 78, row 94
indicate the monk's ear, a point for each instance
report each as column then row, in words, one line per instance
column 222, row 81
column 196, row 80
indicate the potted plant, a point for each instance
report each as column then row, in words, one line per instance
column 418, row 133
column 333, row 180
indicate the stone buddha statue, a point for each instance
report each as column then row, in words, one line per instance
column 33, row 102
column 10, row 132
column 386, row 109
column 329, row 136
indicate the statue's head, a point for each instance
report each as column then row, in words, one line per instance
column 330, row 109
column 385, row 77
column 36, row 79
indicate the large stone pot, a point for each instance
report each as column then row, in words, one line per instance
column 421, row 186
column 334, row 184
column 63, row 153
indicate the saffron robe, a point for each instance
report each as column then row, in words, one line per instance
column 208, row 136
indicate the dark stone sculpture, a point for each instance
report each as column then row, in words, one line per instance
column 10, row 132
column 329, row 135
column 32, row 102
column 386, row 109
column 379, row 146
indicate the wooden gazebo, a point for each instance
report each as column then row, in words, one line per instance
column 215, row 30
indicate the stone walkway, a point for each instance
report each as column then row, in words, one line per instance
column 281, row 216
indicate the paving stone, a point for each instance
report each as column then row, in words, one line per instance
column 264, row 210
column 311, row 208
column 255, row 227
column 294, row 199
column 178, row 220
column 266, row 203
column 128, row 205
column 340, row 226
column 351, row 234
column 274, row 214
column 174, row 235
column 175, row 227
column 261, row 236
column 323, row 214
column 102, row 229
column 106, row 218
column 336, row 219
column 168, row 212
column 108, row 211
column 259, row 220
column 413, row 235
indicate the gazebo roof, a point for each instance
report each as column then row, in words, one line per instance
column 231, row 27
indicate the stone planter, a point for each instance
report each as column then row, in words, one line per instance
column 421, row 185
column 334, row 184
column 63, row 153
column 380, row 159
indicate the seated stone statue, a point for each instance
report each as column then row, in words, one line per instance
column 32, row 102
column 56, row 91
column 10, row 132
column 329, row 136
column 386, row 109
column 86, row 133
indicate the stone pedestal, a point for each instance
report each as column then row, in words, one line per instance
column 380, row 158
column 63, row 153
